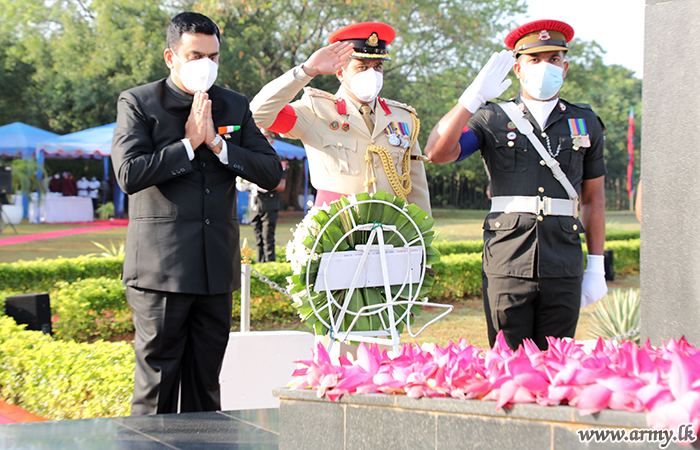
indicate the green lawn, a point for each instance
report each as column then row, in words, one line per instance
column 466, row 320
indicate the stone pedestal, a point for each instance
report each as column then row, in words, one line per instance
column 378, row 421
column 670, row 248
column 258, row 362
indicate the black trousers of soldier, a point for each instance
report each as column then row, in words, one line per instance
column 179, row 345
column 531, row 308
column 264, row 224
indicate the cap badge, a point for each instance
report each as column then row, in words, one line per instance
column 373, row 40
column 544, row 36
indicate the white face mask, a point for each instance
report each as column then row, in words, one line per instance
column 366, row 84
column 542, row 81
column 198, row 74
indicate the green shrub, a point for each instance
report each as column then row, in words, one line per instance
column 625, row 256
column 456, row 276
column 266, row 304
column 459, row 247
column 91, row 308
column 64, row 380
column 40, row 275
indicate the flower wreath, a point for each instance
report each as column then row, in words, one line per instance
column 334, row 229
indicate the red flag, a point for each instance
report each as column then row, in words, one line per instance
column 630, row 150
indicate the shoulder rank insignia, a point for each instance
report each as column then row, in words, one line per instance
column 399, row 105
column 319, row 93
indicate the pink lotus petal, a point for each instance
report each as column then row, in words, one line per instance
column 691, row 403
column 416, row 391
column 300, row 372
column 335, row 394
column 321, row 355
column 681, row 375
column 620, row 383
column 523, row 395
column 531, row 381
column 559, row 393
column 670, row 415
column 652, row 394
column 507, row 392
column 592, row 399
column 366, row 359
column 623, row 401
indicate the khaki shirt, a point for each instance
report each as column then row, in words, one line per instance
column 336, row 143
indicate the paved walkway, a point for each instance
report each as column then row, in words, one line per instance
column 98, row 225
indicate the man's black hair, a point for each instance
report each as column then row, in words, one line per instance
column 190, row 22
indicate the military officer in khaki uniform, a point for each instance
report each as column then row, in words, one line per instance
column 355, row 140
column 545, row 159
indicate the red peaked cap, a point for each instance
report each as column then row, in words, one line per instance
column 540, row 36
column 369, row 38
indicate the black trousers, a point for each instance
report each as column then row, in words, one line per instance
column 532, row 308
column 264, row 224
column 179, row 346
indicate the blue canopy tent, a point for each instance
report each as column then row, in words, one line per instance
column 20, row 139
column 93, row 142
column 97, row 142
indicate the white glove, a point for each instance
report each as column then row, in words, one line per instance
column 593, row 287
column 490, row 83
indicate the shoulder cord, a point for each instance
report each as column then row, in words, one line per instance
column 401, row 184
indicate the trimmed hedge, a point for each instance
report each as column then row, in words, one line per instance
column 40, row 275
column 61, row 379
column 91, row 308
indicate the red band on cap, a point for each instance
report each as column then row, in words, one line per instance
column 285, row 120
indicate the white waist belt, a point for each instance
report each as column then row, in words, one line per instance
column 535, row 205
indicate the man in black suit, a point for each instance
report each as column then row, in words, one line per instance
column 178, row 147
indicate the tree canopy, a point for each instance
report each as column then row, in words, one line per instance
column 65, row 62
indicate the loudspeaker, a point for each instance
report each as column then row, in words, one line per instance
column 34, row 310
column 609, row 265
column 5, row 180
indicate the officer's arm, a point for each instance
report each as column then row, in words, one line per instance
column 271, row 108
column 593, row 213
column 450, row 140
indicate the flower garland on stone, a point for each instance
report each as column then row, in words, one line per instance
column 663, row 382
column 303, row 260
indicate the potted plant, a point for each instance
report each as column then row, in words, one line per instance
column 25, row 179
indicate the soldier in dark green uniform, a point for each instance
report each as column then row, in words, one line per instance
column 545, row 160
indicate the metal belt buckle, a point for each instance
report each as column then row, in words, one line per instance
column 576, row 203
column 545, row 206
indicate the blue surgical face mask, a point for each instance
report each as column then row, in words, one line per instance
column 542, row 81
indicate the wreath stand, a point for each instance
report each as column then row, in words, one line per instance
column 397, row 268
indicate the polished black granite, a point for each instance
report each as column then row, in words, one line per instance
column 234, row 430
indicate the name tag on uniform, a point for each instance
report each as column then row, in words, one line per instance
column 579, row 133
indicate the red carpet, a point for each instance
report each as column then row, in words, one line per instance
column 98, row 225
column 15, row 414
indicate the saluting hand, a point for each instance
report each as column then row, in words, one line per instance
column 328, row 60
column 199, row 121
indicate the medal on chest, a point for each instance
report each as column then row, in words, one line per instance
column 579, row 133
column 398, row 134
